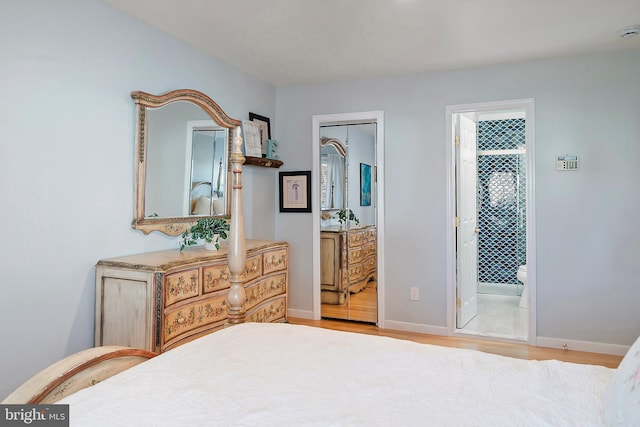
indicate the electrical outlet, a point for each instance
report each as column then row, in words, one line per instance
column 415, row 294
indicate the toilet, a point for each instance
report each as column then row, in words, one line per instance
column 522, row 277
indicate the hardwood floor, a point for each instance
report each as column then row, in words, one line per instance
column 519, row 351
column 362, row 307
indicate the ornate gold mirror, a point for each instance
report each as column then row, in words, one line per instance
column 183, row 145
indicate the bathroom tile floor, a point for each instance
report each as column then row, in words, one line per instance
column 499, row 316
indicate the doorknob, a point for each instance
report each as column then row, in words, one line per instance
column 476, row 230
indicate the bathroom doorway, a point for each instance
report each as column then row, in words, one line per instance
column 347, row 184
column 491, row 164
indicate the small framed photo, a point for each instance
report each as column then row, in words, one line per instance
column 252, row 144
column 295, row 191
column 265, row 130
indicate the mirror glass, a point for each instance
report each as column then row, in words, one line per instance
column 332, row 178
column 183, row 143
column 186, row 163
column 207, row 184
column 348, row 230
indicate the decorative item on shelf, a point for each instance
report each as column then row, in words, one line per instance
column 211, row 230
column 272, row 149
column 252, row 144
column 344, row 214
column 265, row 131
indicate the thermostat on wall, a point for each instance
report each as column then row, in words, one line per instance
column 567, row 163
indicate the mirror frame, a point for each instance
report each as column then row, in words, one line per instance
column 339, row 147
column 171, row 226
column 334, row 142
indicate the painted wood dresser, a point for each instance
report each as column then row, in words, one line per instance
column 158, row 300
column 346, row 267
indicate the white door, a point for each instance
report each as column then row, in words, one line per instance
column 467, row 231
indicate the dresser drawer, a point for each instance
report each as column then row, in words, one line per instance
column 181, row 285
column 357, row 254
column 265, row 289
column 253, row 268
column 371, row 235
column 356, row 238
column 269, row 311
column 275, row 260
column 356, row 272
column 191, row 316
column 215, row 277
column 370, row 264
column 370, row 250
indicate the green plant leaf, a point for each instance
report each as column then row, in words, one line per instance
column 205, row 229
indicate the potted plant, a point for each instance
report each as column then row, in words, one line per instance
column 208, row 229
column 344, row 214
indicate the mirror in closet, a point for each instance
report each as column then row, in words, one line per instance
column 348, row 222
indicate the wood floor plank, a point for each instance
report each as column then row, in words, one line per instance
column 519, row 351
column 361, row 307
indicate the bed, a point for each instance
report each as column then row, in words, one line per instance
column 265, row 374
column 282, row 374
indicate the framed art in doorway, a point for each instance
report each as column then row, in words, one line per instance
column 365, row 184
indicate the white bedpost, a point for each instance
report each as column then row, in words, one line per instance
column 237, row 250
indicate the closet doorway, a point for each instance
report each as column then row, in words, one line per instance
column 491, row 239
column 347, row 274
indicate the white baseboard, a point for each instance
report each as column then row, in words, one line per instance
column 300, row 314
column 415, row 327
column 588, row 346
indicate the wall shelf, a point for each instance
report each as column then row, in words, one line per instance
column 261, row 161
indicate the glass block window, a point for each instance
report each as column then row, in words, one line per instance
column 501, row 200
column 501, row 134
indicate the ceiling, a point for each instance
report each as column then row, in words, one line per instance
column 290, row 42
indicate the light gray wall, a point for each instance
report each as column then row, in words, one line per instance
column 67, row 162
column 587, row 246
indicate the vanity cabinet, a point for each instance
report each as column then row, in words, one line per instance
column 158, row 300
column 348, row 262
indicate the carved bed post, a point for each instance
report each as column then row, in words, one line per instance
column 237, row 253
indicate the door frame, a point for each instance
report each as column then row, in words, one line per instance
column 528, row 106
column 347, row 119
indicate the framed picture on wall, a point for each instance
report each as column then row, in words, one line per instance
column 365, row 184
column 295, row 191
column 265, row 130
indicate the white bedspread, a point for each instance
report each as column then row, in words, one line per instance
column 260, row 374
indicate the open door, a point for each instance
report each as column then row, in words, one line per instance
column 467, row 229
